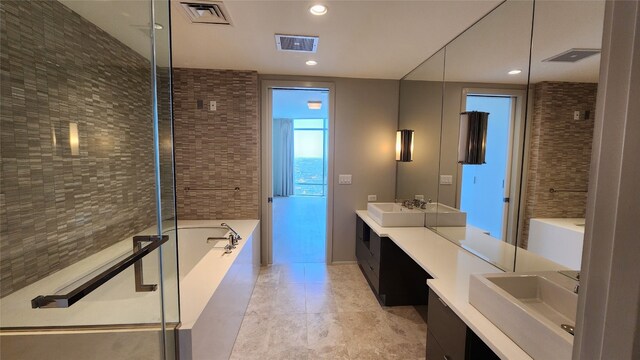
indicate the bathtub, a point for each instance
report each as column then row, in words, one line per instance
column 205, row 276
column 558, row 239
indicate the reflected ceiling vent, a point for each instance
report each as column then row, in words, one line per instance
column 573, row 55
column 207, row 12
column 297, row 43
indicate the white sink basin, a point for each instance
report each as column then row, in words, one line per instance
column 442, row 215
column 530, row 309
column 394, row 215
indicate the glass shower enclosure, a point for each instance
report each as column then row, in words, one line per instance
column 88, row 263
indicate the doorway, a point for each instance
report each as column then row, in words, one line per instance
column 485, row 190
column 296, row 186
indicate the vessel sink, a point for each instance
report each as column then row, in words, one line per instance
column 437, row 214
column 393, row 215
column 530, row 309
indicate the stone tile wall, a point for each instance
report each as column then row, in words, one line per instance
column 560, row 152
column 217, row 149
column 58, row 208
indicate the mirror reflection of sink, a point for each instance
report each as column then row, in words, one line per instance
column 391, row 214
column 530, row 309
column 442, row 215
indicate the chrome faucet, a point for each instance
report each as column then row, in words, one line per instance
column 234, row 237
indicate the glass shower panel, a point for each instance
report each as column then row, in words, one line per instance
column 86, row 187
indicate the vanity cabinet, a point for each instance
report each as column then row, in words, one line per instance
column 392, row 275
column 449, row 338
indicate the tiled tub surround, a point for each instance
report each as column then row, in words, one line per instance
column 560, row 151
column 217, row 149
column 58, row 208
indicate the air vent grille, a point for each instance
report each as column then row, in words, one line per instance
column 297, row 43
column 573, row 55
column 207, row 12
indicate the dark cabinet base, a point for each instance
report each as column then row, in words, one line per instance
column 393, row 276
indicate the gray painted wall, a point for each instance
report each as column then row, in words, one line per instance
column 366, row 113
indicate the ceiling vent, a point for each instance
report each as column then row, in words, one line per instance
column 573, row 55
column 297, row 43
column 207, row 12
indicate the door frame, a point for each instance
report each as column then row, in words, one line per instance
column 514, row 157
column 266, row 190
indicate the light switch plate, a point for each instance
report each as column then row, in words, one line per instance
column 419, row 197
column 344, row 179
column 372, row 197
column 446, row 179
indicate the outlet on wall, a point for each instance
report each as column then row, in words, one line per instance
column 419, row 197
column 372, row 197
column 446, row 179
column 212, row 105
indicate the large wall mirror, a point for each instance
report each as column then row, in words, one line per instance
column 527, row 194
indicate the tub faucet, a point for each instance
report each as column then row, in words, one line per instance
column 234, row 237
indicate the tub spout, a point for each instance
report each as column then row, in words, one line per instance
column 234, row 237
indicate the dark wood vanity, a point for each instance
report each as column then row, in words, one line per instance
column 396, row 279
column 392, row 275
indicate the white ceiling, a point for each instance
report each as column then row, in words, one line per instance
column 362, row 39
column 368, row 39
column 500, row 42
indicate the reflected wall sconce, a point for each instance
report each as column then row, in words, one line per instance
column 472, row 143
column 314, row 105
column 74, row 141
column 404, row 145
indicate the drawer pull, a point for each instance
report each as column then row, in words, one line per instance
column 371, row 252
column 447, row 358
column 371, row 267
column 443, row 304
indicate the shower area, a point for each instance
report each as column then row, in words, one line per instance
column 88, row 246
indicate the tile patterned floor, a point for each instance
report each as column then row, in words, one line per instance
column 318, row 311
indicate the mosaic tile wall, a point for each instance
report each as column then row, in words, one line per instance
column 217, row 149
column 560, row 152
column 58, row 208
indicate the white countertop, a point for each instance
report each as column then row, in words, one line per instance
column 450, row 266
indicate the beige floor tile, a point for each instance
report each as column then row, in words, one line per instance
column 292, row 273
column 319, row 298
column 253, row 337
column 287, row 331
column 269, row 275
column 354, row 298
column 339, row 352
column 263, row 300
column 324, row 331
column 290, row 299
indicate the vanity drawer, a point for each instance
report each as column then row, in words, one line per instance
column 362, row 229
column 434, row 351
column 374, row 245
column 445, row 326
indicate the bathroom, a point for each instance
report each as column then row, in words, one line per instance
column 149, row 127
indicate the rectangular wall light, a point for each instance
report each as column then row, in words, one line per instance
column 404, row 145
column 472, row 142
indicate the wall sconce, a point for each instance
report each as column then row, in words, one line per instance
column 74, row 141
column 314, row 105
column 404, row 145
column 472, row 143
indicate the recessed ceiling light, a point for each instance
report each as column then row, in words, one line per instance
column 311, row 62
column 515, row 72
column 158, row 26
column 318, row 9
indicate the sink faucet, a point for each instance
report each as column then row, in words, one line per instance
column 234, row 237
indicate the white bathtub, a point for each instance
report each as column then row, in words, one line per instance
column 558, row 239
column 205, row 274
